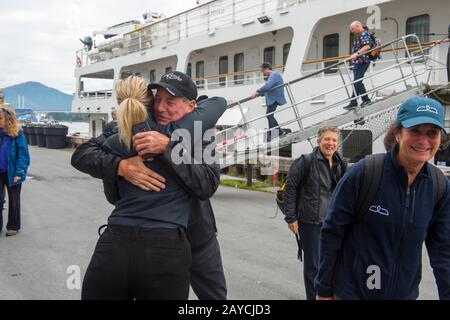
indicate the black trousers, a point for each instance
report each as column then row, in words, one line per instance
column 310, row 234
column 138, row 263
column 13, row 203
column 207, row 276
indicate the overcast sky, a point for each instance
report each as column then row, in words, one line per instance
column 40, row 37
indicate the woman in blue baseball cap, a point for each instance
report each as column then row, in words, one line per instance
column 371, row 240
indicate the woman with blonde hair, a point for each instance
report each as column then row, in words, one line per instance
column 14, row 162
column 144, row 247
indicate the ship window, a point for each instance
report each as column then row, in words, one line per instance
column 330, row 49
column 189, row 70
column 223, row 69
column 239, row 67
column 286, row 49
column 420, row 25
column 152, row 76
column 100, row 85
column 269, row 55
column 200, row 74
column 126, row 74
column 168, row 69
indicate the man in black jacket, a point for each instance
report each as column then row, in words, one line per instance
column 206, row 273
column 309, row 185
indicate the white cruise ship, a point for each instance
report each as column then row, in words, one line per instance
column 222, row 43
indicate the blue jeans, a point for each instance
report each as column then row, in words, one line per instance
column 358, row 73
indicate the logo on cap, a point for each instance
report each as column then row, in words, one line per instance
column 172, row 76
column 427, row 108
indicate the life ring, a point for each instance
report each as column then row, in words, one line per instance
column 78, row 61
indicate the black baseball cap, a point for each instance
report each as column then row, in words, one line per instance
column 177, row 84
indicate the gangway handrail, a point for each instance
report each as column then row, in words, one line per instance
column 376, row 114
column 315, row 73
column 313, row 112
column 283, row 108
column 403, row 77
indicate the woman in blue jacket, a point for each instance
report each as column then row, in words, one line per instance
column 379, row 256
column 14, row 162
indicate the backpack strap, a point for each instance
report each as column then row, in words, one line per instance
column 439, row 187
column 308, row 162
column 308, row 159
column 373, row 171
column 280, row 192
column 344, row 166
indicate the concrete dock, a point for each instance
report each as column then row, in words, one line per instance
column 63, row 208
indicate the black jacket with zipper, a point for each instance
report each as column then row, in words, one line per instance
column 309, row 185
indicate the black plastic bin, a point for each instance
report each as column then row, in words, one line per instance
column 40, row 136
column 56, row 136
column 32, row 135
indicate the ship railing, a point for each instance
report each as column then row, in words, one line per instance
column 205, row 19
column 225, row 80
column 407, row 70
column 390, row 52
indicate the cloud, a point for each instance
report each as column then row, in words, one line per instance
column 42, row 42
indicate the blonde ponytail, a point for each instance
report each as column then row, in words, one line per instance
column 133, row 98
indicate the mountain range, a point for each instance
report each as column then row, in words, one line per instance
column 38, row 97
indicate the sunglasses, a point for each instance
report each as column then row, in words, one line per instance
column 6, row 111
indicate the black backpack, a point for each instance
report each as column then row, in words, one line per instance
column 373, row 171
column 308, row 162
column 280, row 197
column 375, row 43
column 280, row 192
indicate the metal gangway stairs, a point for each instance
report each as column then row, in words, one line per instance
column 389, row 85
